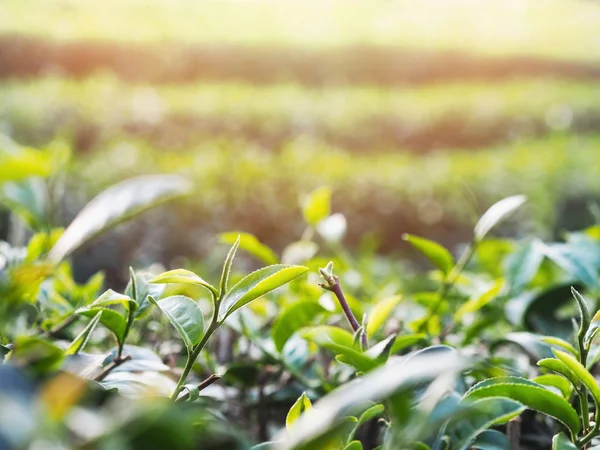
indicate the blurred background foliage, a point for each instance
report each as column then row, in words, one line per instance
column 417, row 115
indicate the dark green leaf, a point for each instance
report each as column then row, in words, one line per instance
column 479, row 416
column 81, row 339
column 562, row 442
column 530, row 394
column 492, row 440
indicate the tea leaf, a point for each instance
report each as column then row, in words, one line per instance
column 185, row 316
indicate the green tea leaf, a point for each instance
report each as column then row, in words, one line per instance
column 438, row 255
column 558, row 342
column 185, row 316
column 317, row 205
column 82, row 338
column 479, row 416
column 407, row 340
column 111, row 319
column 593, row 329
column 36, row 354
column 477, row 302
column 380, row 313
column 567, row 259
column 561, row 368
column 562, row 442
column 223, row 284
column 556, row 381
column 115, row 205
column 298, row 408
column 293, row 317
column 530, row 394
column 250, row 244
column 182, row 276
column 584, row 313
column 496, row 213
column 581, row 372
column 256, row 285
column 340, row 342
column 111, row 297
column 492, row 440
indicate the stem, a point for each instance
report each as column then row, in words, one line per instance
column 214, row 324
column 203, row 385
column 450, row 282
column 111, row 366
column 192, row 359
column 336, row 288
column 513, row 432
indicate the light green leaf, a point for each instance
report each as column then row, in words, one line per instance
column 293, row 317
column 111, row 297
column 340, row 342
column 317, row 205
column 354, row 445
column 496, row 213
column 324, row 334
column 556, row 381
column 182, row 276
column 250, row 244
column 223, row 284
column 530, row 394
column 559, row 367
column 561, row 343
column 438, row 255
column 562, row 442
column 380, row 313
column 477, row 302
column 256, row 285
column 185, row 316
column 82, row 338
column 298, row 408
column 581, row 372
column 24, row 163
column 115, row 205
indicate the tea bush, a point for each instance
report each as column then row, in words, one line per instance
column 317, row 348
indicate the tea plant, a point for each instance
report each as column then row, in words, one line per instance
column 319, row 348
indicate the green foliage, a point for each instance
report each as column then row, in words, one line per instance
column 379, row 376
